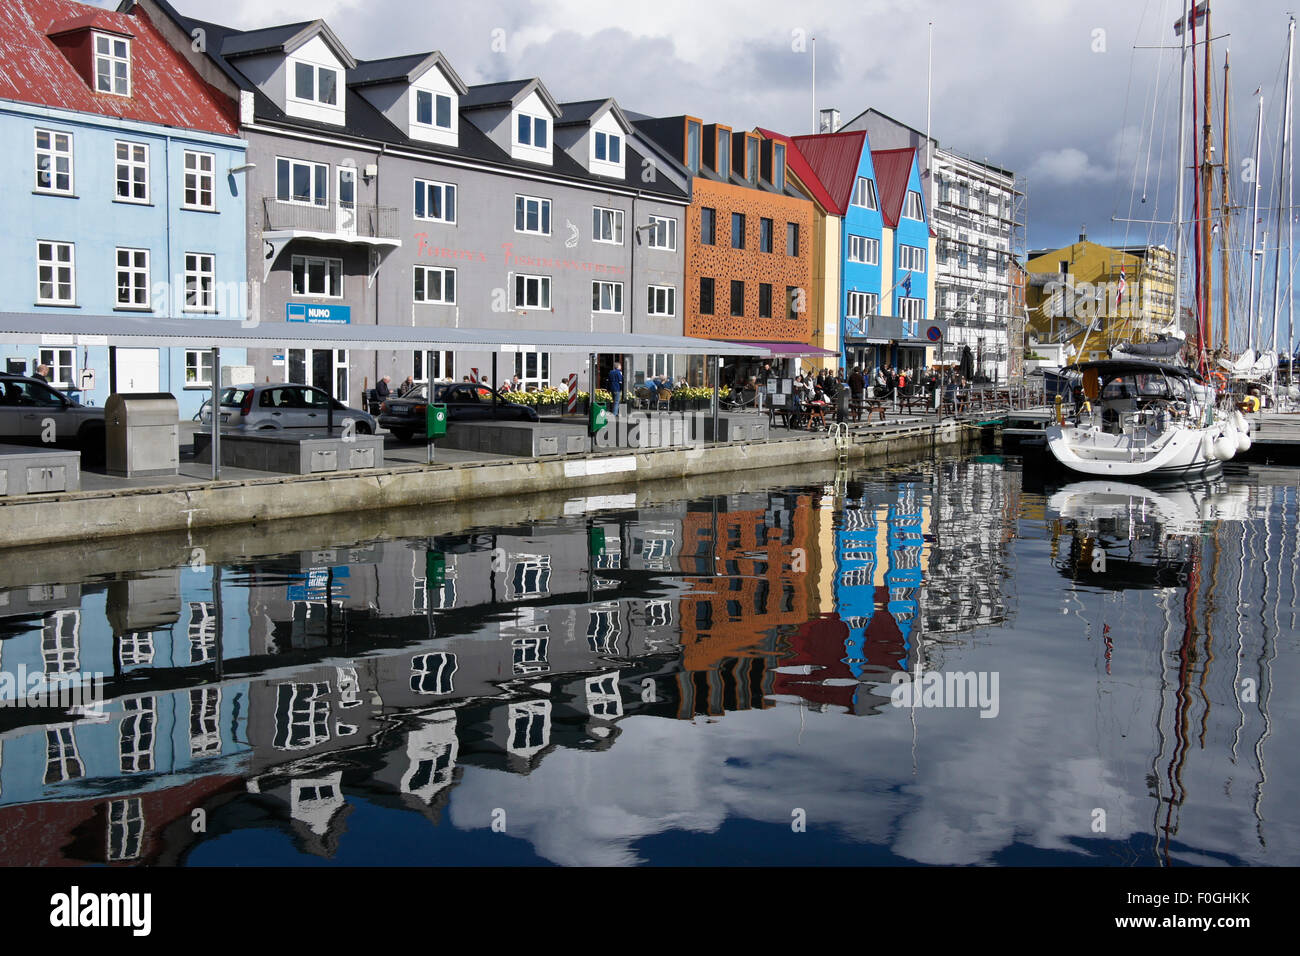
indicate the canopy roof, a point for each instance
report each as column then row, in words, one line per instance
column 148, row 331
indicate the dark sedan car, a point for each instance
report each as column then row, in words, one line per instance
column 405, row 416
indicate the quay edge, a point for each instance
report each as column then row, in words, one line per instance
column 39, row 519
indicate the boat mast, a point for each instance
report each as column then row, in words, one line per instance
column 1281, row 196
column 1207, row 173
column 1224, row 212
column 1290, row 225
column 1255, row 252
column 1179, row 244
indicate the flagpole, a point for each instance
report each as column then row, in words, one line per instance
column 1254, row 228
column 1180, row 250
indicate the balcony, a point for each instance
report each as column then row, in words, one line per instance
column 884, row 329
column 360, row 223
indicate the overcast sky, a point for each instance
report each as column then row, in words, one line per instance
column 1052, row 89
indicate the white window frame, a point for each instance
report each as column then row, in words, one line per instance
column 205, row 180
column 910, row 256
column 136, row 271
column 198, row 368
column 130, row 165
column 665, row 227
column 911, row 308
column 862, row 304
column 333, row 267
column 315, row 200
column 543, row 215
column 603, row 291
column 613, row 142
column 538, row 122
column 607, row 225
column 60, row 361
column 316, row 70
column 533, row 368
column 423, row 272
column 543, row 303
column 864, row 193
column 864, row 250
column 434, row 97
column 433, row 673
column 112, row 58
column 662, row 295
column 205, row 721
column 136, row 734
column 425, row 190
column 422, row 362
column 196, row 276
column 52, row 153
column 909, row 202
column 55, row 265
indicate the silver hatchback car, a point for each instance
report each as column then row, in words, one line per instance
column 274, row 407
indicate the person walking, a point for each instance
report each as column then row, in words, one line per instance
column 43, row 373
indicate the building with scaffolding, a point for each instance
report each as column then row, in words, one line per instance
column 977, row 212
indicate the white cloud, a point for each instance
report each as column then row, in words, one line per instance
column 1067, row 166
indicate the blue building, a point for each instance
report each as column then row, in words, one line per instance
column 131, row 202
column 906, row 258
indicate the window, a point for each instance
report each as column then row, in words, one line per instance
column 706, row 296
column 302, row 182
column 433, row 673
column 301, row 716
column 791, row 238
column 863, row 304
column 316, row 83
column 198, row 368
column 532, row 292
column 531, row 131
column 607, row 297
column 62, row 372
column 62, row 762
column 764, row 235
column 53, row 162
column 738, row 230
column 664, row 233
column 314, row 275
column 911, row 308
column 864, row 193
column 911, row 258
column 913, row 208
column 433, row 285
column 662, row 300
column 202, row 632
column 533, row 369
column 132, row 172
column 200, row 281
column 708, row 226
column 609, row 148
column 432, row 366
column 132, row 278
column 794, row 299
column 778, row 167
column 865, row 250
column 693, row 145
column 135, row 734
column 56, row 282
column 112, row 65
column 607, row 225
column 765, row 300
column 751, row 158
column 435, row 201
column 432, row 109
column 199, row 181
column 205, row 717
column 724, row 154
column 533, row 215
column 737, row 297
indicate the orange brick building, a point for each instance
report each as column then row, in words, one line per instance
column 748, row 236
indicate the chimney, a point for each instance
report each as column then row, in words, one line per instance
column 830, row 121
column 1083, row 233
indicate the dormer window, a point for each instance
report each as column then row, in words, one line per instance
column 318, row 84
column 609, row 148
column 112, row 65
column 693, row 145
column 751, row 159
column 912, row 206
column 723, row 165
column 531, row 131
column 432, row 109
column 778, row 166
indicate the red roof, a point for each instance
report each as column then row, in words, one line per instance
column 893, row 173
column 835, row 157
column 796, row 163
column 164, row 88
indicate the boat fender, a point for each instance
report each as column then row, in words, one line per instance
column 1225, row 444
column 1243, row 442
column 1207, row 447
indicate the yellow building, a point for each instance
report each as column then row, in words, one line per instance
column 1094, row 297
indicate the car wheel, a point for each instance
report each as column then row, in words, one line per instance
column 362, row 428
column 402, row 434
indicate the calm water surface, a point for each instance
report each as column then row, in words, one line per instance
column 943, row 663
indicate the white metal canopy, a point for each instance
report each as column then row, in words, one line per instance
column 148, row 331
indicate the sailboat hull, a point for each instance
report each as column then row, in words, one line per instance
column 1177, row 453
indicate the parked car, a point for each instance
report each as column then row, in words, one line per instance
column 31, row 411
column 465, row 401
column 284, row 405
